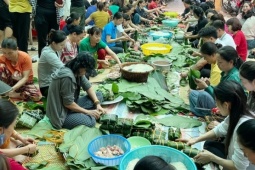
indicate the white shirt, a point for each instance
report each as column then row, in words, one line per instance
column 234, row 152
column 248, row 28
column 228, row 40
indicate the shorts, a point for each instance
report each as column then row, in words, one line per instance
column 5, row 17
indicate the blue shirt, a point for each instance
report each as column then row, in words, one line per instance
column 89, row 11
column 109, row 29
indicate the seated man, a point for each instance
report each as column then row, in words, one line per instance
column 16, row 71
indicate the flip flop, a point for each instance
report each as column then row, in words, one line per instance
column 32, row 49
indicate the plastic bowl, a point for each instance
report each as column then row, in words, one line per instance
column 170, row 23
column 166, row 153
column 158, row 34
column 137, row 141
column 162, row 65
column 105, row 140
column 171, row 14
column 151, row 48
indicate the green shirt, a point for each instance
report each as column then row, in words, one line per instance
column 85, row 46
column 233, row 74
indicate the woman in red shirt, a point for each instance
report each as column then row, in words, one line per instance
column 234, row 27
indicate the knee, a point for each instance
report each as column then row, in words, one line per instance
column 92, row 123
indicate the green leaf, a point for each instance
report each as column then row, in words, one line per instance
column 43, row 127
column 161, row 112
column 180, row 122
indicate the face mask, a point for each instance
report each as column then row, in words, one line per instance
column 2, row 139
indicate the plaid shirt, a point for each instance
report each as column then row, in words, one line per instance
column 34, row 4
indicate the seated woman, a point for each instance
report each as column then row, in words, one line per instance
column 201, row 23
column 246, row 12
column 94, row 45
column 246, row 140
column 140, row 15
column 249, row 32
column 126, row 24
column 50, row 59
column 114, row 6
column 70, row 50
column 234, row 27
column 187, row 4
column 153, row 162
column 73, row 19
column 247, row 76
column 129, row 10
column 64, row 107
column 142, row 10
column 231, row 101
column 109, row 34
column 12, row 144
column 16, row 71
column 100, row 17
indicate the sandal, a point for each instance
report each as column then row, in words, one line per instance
column 32, row 49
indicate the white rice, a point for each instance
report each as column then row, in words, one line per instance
column 156, row 48
column 131, row 164
column 138, row 68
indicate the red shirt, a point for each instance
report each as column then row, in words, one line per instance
column 152, row 5
column 14, row 165
column 241, row 45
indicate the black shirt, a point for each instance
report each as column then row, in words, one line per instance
column 77, row 3
column 186, row 10
column 50, row 4
column 200, row 24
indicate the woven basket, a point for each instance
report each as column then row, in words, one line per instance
column 138, row 77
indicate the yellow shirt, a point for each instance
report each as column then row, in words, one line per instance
column 20, row 6
column 101, row 18
column 215, row 75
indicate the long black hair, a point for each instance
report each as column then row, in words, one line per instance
column 82, row 60
column 245, row 134
column 228, row 53
column 232, row 92
column 8, row 113
column 247, row 70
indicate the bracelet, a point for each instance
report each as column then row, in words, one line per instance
column 96, row 102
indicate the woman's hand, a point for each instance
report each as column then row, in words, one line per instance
column 213, row 124
column 104, row 63
column 31, row 148
column 201, row 83
column 95, row 113
column 189, row 142
column 184, row 74
column 27, row 141
column 100, row 109
column 204, row 157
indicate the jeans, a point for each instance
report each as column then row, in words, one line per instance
column 117, row 48
column 251, row 44
column 200, row 101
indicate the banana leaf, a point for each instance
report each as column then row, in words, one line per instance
column 175, row 145
column 191, row 152
column 174, row 134
column 144, row 119
column 109, row 119
column 160, row 78
column 158, row 134
column 179, row 122
column 143, row 133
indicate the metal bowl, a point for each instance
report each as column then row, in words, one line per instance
column 162, row 65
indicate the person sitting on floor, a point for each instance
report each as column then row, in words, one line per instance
column 234, row 27
column 12, row 144
column 70, row 51
column 100, row 17
column 246, row 140
column 73, row 19
column 16, row 71
column 50, row 59
column 231, row 101
column 109, row 34
column 228, row 62
column 64, row 107
column 95, row 45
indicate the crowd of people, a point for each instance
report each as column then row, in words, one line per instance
column 71, row 50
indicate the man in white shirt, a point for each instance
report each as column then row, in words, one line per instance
column 223, row 37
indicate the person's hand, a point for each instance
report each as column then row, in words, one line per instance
column 104, row 63
column 100, row 109
column 31, row 148
column 184, row 74
column 27, row 141
column 95, row 113
column 204, row 157
column 195, row 53
column 201, row 84
column 59, row 5
column 189, row 142
column 213, row 124
column 124, row 38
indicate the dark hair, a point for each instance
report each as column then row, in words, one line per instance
column 56, row 36
column 249, row 13
column 217, row 17
column 211, row 11
column 10, row 43
column 126, row 17
column 116, row 2
column 94, row 30
column 117, row 15
column 75, row 29
column 73, row 16
column 235, row 23
column 100, row 6
column 247, row 70
column 189, row 2
column 228, row 53
column 198, row 11
column 93, row 2
column 245, row 134
column 4, row 163
column 125, row 9
column 232, row 92
column 82, row 60
column 152, row 162
column 208, row 48
column 204, row 6
column 139, row 2
column 8, row 113
column 208, row 32
column 218, row 24
column 210, row 4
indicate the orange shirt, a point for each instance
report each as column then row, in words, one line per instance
column 24, row 64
